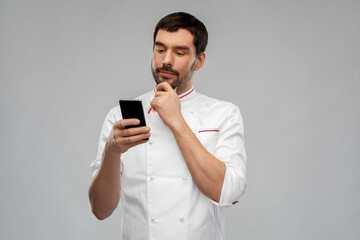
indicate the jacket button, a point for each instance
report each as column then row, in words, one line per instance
column 182, row 219
column 152, row 219
column 184, row 178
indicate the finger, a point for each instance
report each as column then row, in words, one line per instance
column 121, row 124
column 131, row 131
column 154, row 104
column 131, row 139
column 160, row 93
column 137, row 143
column 164, row 86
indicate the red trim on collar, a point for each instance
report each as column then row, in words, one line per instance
column 187, row 93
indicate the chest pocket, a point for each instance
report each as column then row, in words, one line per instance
column 208, row 138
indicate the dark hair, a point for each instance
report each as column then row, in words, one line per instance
column 174, row 21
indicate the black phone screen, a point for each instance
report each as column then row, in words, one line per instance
column 132, row 109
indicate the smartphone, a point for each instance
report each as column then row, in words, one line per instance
column 132, row 108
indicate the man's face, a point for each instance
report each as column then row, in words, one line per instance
column 174, row 59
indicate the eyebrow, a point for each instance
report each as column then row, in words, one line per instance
column 176, row 47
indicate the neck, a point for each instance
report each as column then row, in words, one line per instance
column 180, row 90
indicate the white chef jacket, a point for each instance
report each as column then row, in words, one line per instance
column 158, row 198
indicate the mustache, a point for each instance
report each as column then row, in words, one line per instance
column 167, row 69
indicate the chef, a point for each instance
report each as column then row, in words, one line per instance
column 174, row 177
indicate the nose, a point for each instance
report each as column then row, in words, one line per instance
column 168, row 59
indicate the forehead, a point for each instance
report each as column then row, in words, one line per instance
column 182, row 37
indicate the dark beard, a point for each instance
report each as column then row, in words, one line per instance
column 178, row 81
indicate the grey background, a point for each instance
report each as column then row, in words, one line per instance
column 291, row 66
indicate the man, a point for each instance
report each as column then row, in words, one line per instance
column 176, row 184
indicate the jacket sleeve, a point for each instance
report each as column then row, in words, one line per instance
column 109, row 121
column 230, row 149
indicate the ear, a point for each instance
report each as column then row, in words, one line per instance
column 200, row 61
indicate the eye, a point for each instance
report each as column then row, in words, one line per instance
column 180, row 53
column 160, row 49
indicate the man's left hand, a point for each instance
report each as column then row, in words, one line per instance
column 167, row 104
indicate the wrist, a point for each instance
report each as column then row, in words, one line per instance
column 112, row 148
column 178, row 126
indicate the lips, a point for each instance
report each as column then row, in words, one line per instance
column 167, row 74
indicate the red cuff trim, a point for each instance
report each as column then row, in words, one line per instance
column 149, row 110
column 214, row 130
column 235, row 202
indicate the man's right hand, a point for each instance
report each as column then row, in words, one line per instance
column 121, row 139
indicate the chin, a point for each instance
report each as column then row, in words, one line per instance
column 169, row 81
column 172, row 84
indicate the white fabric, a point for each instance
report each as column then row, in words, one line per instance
column 159, row 200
